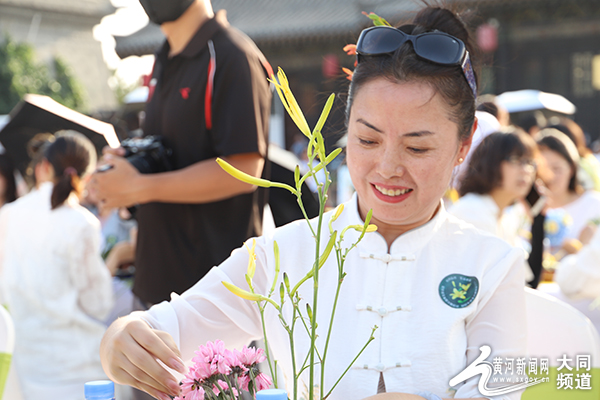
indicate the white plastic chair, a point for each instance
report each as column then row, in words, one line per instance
column 556, row 328
column 9, row 385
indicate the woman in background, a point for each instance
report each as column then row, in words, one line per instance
column 564, row 190
column 501, row 172
column 56, row 286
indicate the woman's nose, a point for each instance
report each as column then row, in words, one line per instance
column 389, row 164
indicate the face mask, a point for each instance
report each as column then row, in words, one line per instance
column 161, row 11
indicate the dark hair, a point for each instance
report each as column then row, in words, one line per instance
column 404, row 66
column 72, row 156
column 573, row 131
column 483, row 172
column 36, row 147
column 489, row 107
column 529, row 119
column 556, row 145
column 7, row 170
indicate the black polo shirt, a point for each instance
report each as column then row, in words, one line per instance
column 178, row 243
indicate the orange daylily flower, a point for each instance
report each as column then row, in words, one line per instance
column 349, row 73
column 350, row 49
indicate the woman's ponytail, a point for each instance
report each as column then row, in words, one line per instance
column 67, row 183
column 72, row 156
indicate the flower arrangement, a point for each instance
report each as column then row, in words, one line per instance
column 221, row 374
column 304, row 314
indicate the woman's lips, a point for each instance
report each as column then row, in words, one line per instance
column 391, row 194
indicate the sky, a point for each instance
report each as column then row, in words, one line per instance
column 128, row 18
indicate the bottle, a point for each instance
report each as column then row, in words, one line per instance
column 99, row 390
column 272, row 394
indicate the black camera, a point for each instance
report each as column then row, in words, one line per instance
column 148, row 155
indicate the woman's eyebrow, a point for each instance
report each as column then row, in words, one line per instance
column 362, row 121
column 419, row 134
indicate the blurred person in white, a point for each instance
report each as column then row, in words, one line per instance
column 564, row 189
column 500, row 173
column 56, row 286
column 578, row 274
column 588, row 171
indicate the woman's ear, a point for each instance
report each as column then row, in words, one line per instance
column 465, row 145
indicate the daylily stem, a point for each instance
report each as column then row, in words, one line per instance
column 261, row 307
column 351, row 363
column 340, row 262
column 313, row 335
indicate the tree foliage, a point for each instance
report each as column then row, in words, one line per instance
column 20, row 74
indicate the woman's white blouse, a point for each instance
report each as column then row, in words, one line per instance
column 578, row 275
column 421, row 342
column 482, row 211
column 57, row 289
column 583, row 210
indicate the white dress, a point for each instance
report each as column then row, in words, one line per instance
column 578, row 275
column 422, row 342
column 482, row 211
column 57, row 289
column 583, row 210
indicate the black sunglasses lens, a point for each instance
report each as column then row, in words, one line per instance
column 380, row 41
column 440, row 49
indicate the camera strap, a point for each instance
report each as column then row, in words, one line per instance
column 210, row 84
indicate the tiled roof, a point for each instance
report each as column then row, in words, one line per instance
column 92, row 8
column 281, row 20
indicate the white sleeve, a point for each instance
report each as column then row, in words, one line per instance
column 90, row 276
column 208, row 311
column 579, row 274
column 500, row 320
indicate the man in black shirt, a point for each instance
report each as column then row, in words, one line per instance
column 209, row 97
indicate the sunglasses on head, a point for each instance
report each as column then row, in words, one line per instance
column 436, row 47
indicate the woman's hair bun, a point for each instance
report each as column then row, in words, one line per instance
column 446, row 20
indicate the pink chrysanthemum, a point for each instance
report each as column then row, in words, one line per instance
column 214, row 354
column 250, row 356
column 197, row 394
column 262, row 382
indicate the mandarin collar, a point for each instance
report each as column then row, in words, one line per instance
column 409, row 242
column 200, row 39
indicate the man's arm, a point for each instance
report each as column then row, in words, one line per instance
column 202, row 182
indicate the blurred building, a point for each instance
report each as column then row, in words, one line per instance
column 549, row 45
column 64, row 28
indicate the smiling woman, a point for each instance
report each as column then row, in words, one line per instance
column 438, row 288
column 400, row 158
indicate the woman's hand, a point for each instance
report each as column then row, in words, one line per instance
column 130, row 351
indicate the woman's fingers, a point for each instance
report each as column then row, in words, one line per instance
column 159, row 344
column 143, row 380
column 129, row 353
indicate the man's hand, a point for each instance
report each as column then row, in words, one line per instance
column 119, row 186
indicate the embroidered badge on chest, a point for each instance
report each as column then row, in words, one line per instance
column 458, row 291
